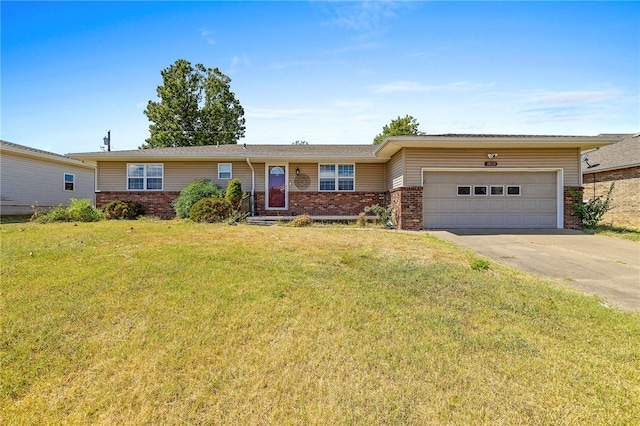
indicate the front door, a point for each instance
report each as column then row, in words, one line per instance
column 277, row 187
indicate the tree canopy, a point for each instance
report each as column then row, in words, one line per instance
column 196, row 107
column 399, row 127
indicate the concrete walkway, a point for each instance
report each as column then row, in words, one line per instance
column 605, row 266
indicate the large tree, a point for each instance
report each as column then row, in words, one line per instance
column 196, row 107
column 399, row 127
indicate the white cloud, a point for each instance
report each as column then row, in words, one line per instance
column 271, row 114
column 206, row 36
column 363, row 16
column 354, row 48
column 572, row 97
column 353, row 103
column 413, row 86
column 282, row 65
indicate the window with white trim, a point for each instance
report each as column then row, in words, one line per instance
column 480, row 190
column 336, row 177
column 224, row 170
column 513, row 190
column 69, row 182
column 496, row 190
column 464, row 190
column 145, row 177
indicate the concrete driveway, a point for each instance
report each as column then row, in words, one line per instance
column 605, row 266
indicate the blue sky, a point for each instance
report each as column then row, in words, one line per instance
column 324, row 72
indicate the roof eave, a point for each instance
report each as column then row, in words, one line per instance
column 52, row 158
column 393, row 144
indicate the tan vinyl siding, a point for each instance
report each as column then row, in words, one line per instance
column 177, row 174
column 394, row 169
column 567, row 159
column 370, row 177
column 27, row 182
column 307, row 181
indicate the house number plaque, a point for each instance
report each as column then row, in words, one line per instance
column 490, row 163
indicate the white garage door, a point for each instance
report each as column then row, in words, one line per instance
column 490, row 199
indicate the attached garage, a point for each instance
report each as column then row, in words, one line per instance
column 502, row 198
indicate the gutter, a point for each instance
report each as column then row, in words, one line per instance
column 253, row 185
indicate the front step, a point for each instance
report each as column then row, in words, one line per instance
column 260, row 221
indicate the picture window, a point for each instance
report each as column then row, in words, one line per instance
column 332, row 177
column 145, row 177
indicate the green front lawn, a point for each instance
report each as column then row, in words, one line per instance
column 180, row 323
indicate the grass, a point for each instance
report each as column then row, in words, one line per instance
column 153, row 322
column 616, row 231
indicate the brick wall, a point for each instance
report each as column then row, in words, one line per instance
column 407, row 207
column 625, row 204
column 323, row 203
column 155, row 203
column 570, row 220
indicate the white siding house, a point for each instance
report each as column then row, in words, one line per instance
column 32, row 177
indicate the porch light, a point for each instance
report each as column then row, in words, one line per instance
column 297, row 171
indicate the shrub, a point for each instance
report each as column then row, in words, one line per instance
column 234, row 193
column 119, row 209
column 362, row 219
column 192, row 193
column 211, row 210
column 383, row 215
column 76, row 211
column 302, row 220
column 591, row 212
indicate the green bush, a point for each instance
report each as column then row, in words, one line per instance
column 383, row 215
column 591, row 212
column 192, row 193
column 119, row 209
column 302, row 220
column 76, row 211
column 234, row 193
column 211, row 210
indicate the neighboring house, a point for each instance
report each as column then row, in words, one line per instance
column 433, row 181
column 32, row 177
column 619, row 163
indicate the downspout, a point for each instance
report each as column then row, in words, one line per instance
column 253, row 185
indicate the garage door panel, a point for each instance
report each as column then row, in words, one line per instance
column 534, row 205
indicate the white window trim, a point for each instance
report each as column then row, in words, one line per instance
column 513, row 186
column 491, row 194
column 486, row 190
column 337, row 177
column 230, row 171
column 64, row 182
column 144, row 178
column 464, row 186
column 286, row 185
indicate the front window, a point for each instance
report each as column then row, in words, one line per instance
column 69, row 182
column 224, row 171
column 145, row 177
column 340, row 177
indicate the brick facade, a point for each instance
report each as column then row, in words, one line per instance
column 625, row 204
column 570, row 220
column 407, row 207
column 323, row 203
column 155, row 203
